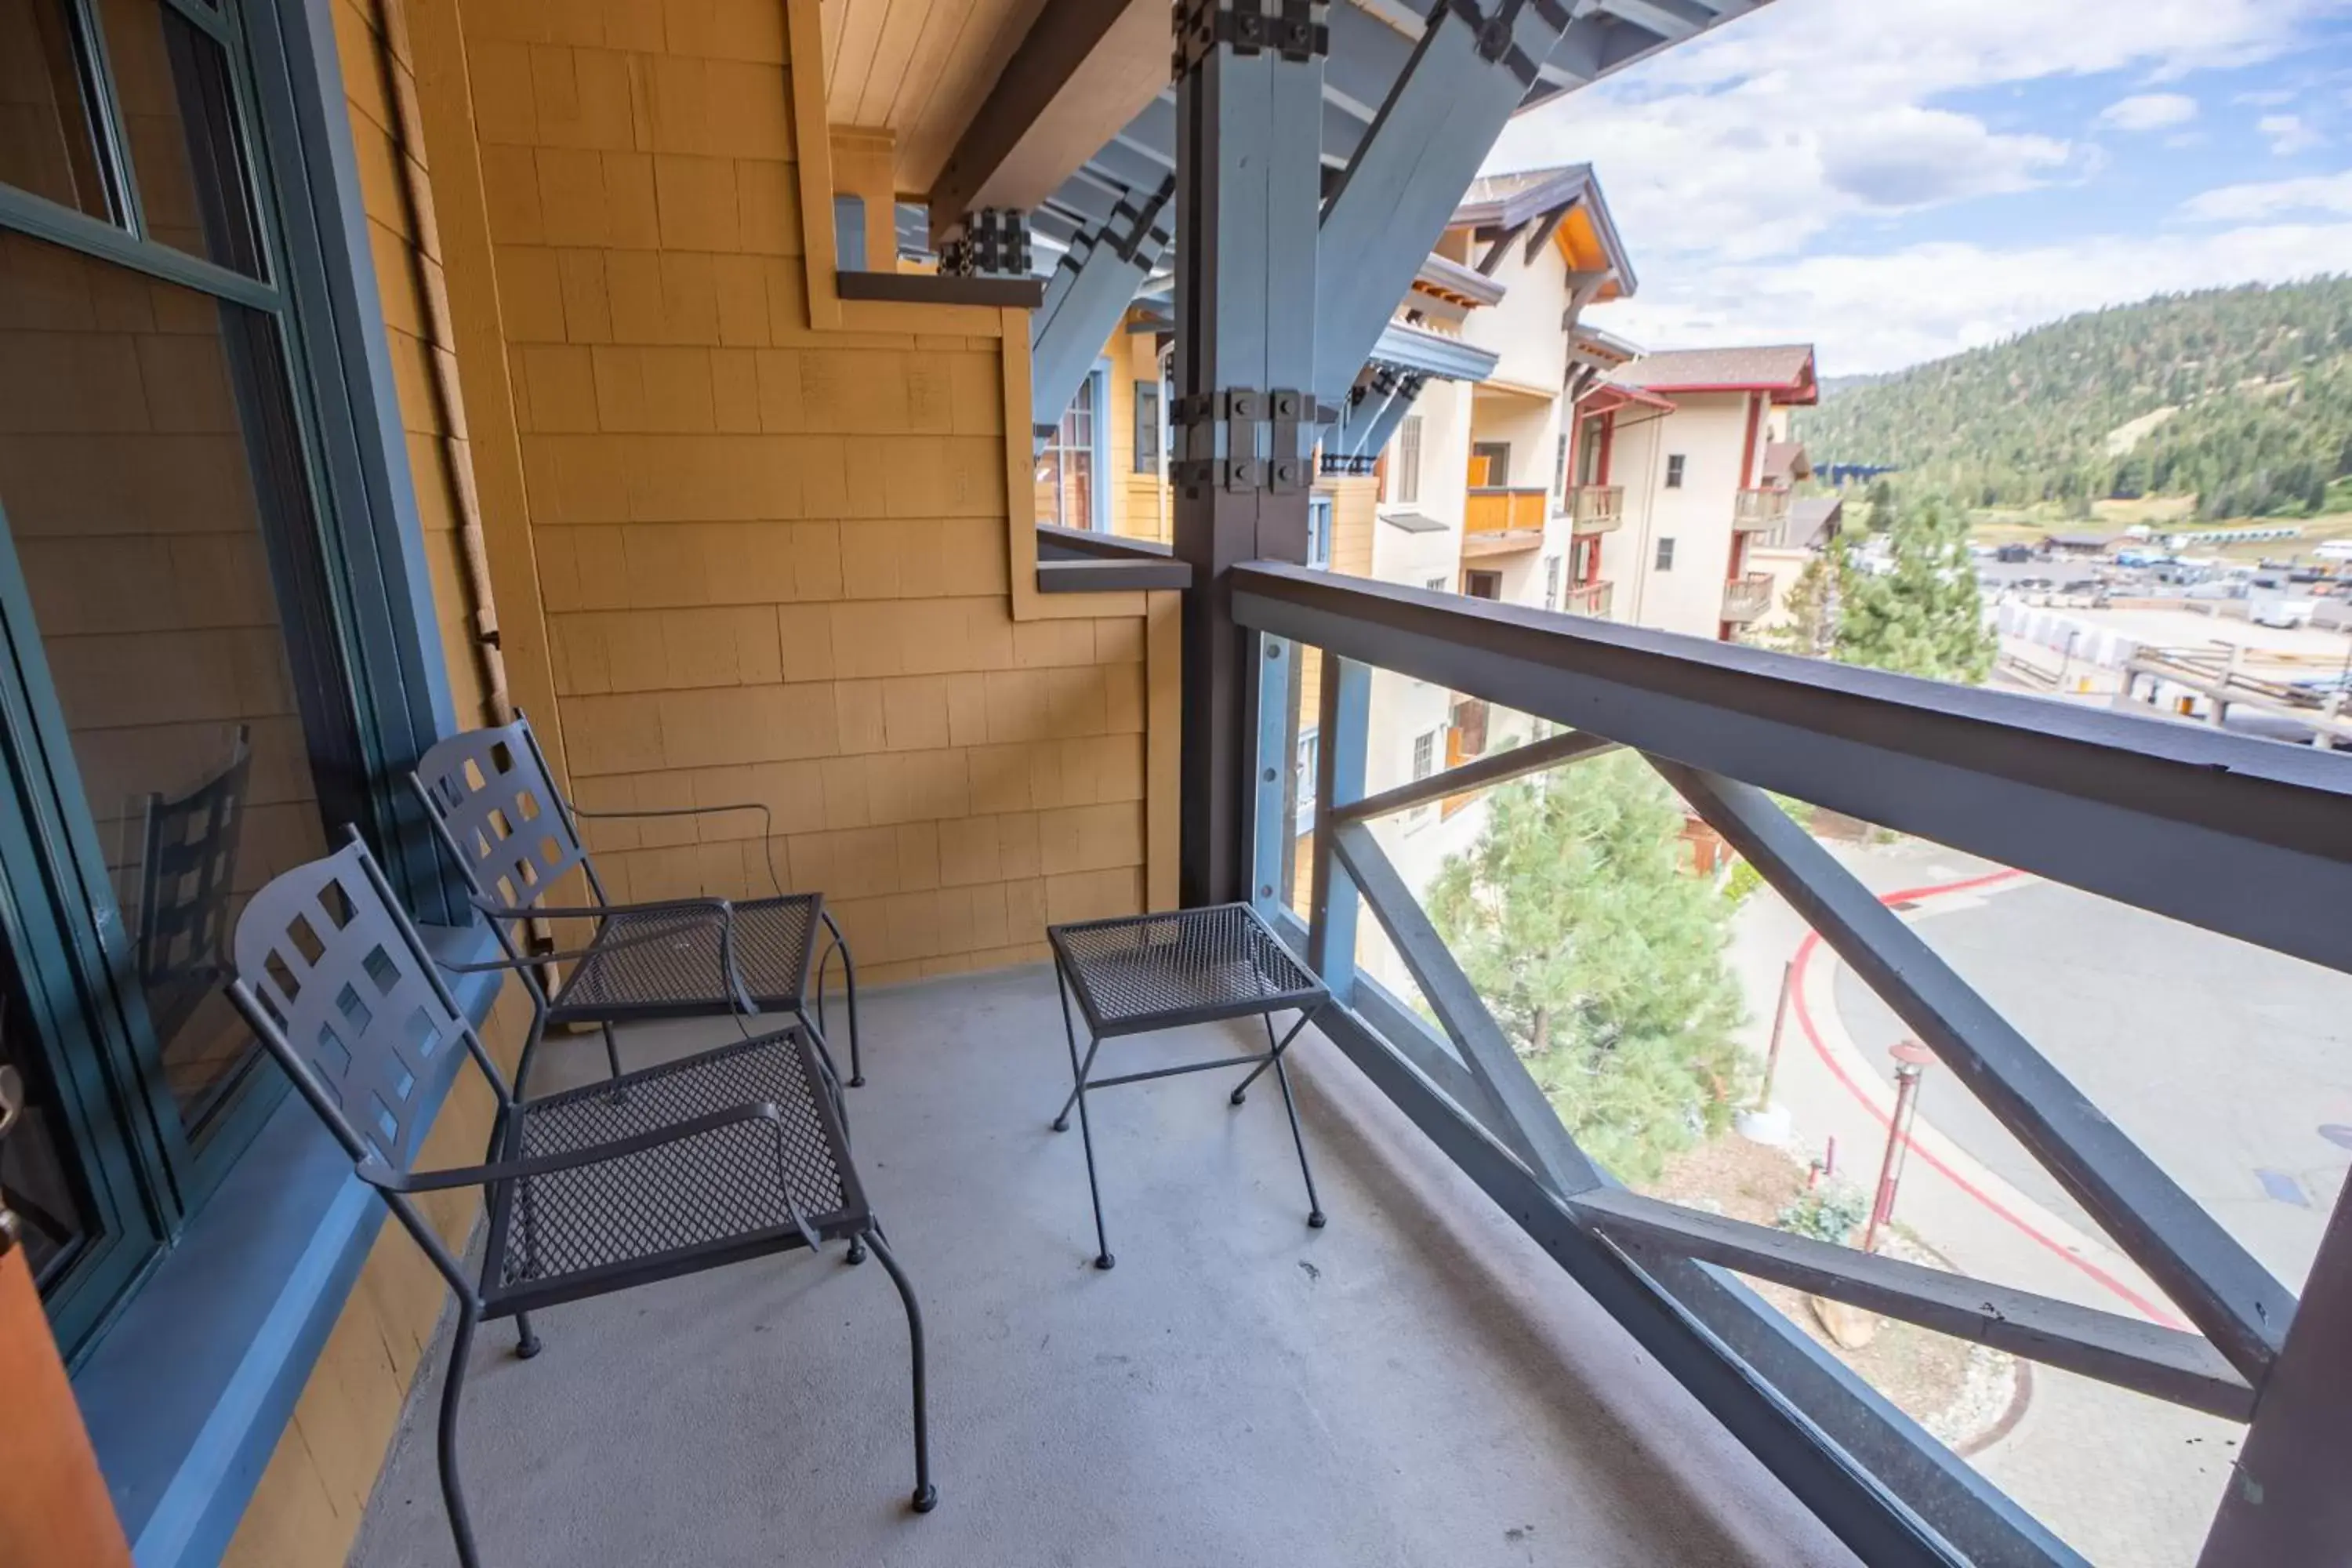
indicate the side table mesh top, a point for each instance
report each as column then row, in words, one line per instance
column 1134, row 973
column 1137, row 973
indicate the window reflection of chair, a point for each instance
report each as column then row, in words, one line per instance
column 187, row 873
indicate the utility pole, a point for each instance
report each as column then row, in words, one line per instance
column 1911, row 1059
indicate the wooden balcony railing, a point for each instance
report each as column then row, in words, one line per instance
column 1589, row 599
column 1597, row 509
column 1493, row 510
column 1747, row 596
column 1759, row 510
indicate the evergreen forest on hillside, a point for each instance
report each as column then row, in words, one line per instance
column 2240, row 398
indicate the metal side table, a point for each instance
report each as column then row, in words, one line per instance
column 1135, row 973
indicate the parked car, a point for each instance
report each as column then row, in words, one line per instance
column 2283, row 611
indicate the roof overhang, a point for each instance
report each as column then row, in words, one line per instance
column 1424, row 352
column 1607, row 399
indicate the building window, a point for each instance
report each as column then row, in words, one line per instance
column 1441, row 585
column 1665, row 554
column 1551, row 581
column 1482, row 585
column 1560, row 474
column 1425, row 755
column 1318, row 531
column 1591, row 445
column 1310, row 758
column 184, row 701
column 1674, row 472
column 1147, row 426
column 1490, row 463
column 1067, row 495
column 849, row 233
column 1405, row 486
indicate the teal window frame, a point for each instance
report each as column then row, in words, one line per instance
column 358, row 623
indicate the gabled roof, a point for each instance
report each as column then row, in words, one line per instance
column 1814, row 519
column 1786, row 461
column 1533, row 195
column 1784, row 370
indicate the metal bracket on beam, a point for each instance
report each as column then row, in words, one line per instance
column 1242, row 410
column 1493, row 33
column 1297, row 31
column 994, row 242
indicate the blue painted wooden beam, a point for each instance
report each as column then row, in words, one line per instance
column 1089, row 292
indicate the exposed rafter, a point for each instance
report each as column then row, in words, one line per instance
column 1082, row 70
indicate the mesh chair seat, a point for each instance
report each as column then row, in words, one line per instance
column 678, row 972
column 1134, row 973
column 712, row 1193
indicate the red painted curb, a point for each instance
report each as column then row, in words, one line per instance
column 1805, row 950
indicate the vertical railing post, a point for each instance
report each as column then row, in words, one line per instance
column 2287, row 1504
column 1274, row 658
column 1345, row 727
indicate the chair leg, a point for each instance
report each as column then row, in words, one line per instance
column 461, row 1527
column 849, row 989
column 1241, row 1089
column 1078, row 1071
column 832, row 1085
column 612, row 1057
column 927, row 1496
column 526, row 1345
column 1281, row 1077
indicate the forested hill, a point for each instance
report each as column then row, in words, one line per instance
column 2240, row 397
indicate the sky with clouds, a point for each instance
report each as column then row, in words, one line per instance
column 1895, row 180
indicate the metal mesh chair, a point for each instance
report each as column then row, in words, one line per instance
column 515, row 837
column 1133, row 973
column 728, row 1155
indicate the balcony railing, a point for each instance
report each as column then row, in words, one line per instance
column 1597, row 509
column 2251, row 841
column 1759, row 510
column 1589, row 599
column 1498, row 518
column 1747, row 596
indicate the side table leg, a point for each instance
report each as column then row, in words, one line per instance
column 1281, row 1077
column 1078, row 1071
column 1241, row 1089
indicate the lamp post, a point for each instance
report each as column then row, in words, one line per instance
column 1765, row 1122
column 1911, row 1059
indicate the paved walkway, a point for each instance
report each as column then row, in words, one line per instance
column 2140, row 1017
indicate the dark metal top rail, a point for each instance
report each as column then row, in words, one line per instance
column 2249, row 838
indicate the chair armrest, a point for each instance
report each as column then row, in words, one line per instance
column 499, row 911
column 729, row 976
column 379, row 1174
column 672, row 810
column 569, row 955
column 384, row 1178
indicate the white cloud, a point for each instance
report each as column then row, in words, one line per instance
column 1881, row 313
column 1758, row 136
column 2289, row 134
column 2272, row 198
column 2150, row 112
column 1726, row 158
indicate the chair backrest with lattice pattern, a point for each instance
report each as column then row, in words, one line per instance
column 489, row 793
column 339, row 986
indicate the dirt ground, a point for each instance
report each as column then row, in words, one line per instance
column 1924, row 1374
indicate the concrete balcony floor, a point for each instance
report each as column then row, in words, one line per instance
column 1416, row 1384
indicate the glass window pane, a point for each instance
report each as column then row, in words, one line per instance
column 46, row 145
column 130, row 409
column 172, row 82
column 40, row 1183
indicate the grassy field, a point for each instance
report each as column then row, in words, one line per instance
column 2029, row 525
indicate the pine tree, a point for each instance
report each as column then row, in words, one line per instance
column 1925, row 616
column 1601, row 955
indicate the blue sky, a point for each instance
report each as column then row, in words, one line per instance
column 1895, row 180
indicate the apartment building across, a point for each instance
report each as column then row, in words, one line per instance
column 1696, row 442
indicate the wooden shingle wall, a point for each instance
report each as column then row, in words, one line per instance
column 773, row 558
